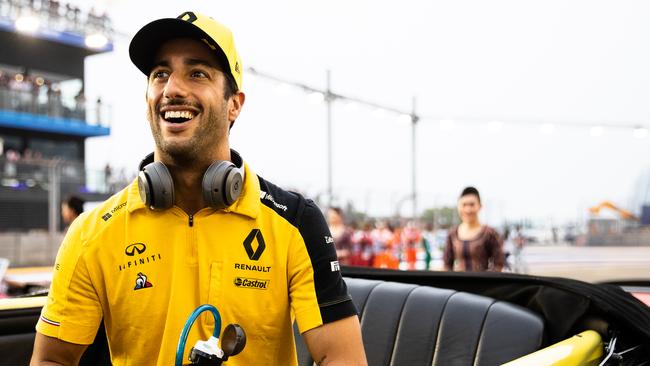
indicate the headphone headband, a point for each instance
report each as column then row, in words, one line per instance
column 146, row 161
column 238, row 161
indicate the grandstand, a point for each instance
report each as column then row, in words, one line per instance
column 44, row 115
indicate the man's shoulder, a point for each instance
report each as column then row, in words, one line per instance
column 105, row 215
column 288, row 204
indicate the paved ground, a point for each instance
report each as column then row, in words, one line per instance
column 591, row 264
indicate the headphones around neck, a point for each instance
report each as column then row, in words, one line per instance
column 221, row 186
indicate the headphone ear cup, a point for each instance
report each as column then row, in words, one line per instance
column 156, row 186
column 222, row 184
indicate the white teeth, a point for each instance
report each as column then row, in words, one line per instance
column 179, row 114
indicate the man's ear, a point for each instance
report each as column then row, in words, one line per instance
column 146, row 92
column 235, row 105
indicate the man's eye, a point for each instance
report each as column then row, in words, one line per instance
column 159, row 74
column 199, row 74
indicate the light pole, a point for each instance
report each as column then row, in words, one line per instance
column 328, row 100
column 330, row 97
column 414, row 121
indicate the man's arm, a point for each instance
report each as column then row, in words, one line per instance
column 337, row 343
column 49, row 351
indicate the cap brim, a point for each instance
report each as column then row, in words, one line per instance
column 146, row 43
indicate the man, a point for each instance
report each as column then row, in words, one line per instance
column 260, row 254
column 71, row 208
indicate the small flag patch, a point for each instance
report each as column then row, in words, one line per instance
column 50, row 322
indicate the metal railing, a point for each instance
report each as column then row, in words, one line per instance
column 31, row 192
column 96, row 113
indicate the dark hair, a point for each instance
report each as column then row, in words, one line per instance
column 230, row 87
column 338, row 210
column 76, row 204
column 470, row 190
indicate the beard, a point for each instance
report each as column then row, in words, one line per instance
column 207, row 135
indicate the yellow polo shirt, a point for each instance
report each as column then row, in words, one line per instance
column 263, row 262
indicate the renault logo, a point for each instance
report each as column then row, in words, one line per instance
column 187, row 16
column 135, row 248
column 256, row 235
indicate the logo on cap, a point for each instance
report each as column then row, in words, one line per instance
column 188, row 16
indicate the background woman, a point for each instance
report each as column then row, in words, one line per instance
column 472, row 246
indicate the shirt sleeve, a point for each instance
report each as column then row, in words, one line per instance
column 317, row 289
column 72, row 312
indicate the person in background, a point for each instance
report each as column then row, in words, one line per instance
column 341, row 234
column 472, row 246
column 71, row 208
column 363, row 252
column 411, row 240
column 428, row 241
column 519, row 242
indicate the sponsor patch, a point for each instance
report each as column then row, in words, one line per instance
column 108, row 215
column 142, row 282
column 268, row 197
column 140, row 261
column 252, row 267
column 118, row 207
column 254, row 283
column 135, row 248
column 335, row 266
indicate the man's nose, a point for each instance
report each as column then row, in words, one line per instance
column 175, row 87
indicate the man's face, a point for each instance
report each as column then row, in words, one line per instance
column 468, row 208
column 187, row 111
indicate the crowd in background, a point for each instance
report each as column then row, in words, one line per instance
column 31, row 169
column 410, row 245
column 24, row 92
column 380, row 243
column 59, row 16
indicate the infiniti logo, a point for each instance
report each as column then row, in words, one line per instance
column 135, row 248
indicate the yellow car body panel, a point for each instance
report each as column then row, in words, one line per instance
column 22, row 302
column 584, row 349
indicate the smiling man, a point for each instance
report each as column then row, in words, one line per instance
column 198, row 226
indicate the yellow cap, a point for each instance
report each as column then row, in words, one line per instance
column 215, row 35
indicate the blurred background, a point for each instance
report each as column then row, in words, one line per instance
column 383, row 110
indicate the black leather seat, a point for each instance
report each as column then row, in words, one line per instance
column 410, row 325
column 17, row 332
column 401, row 324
